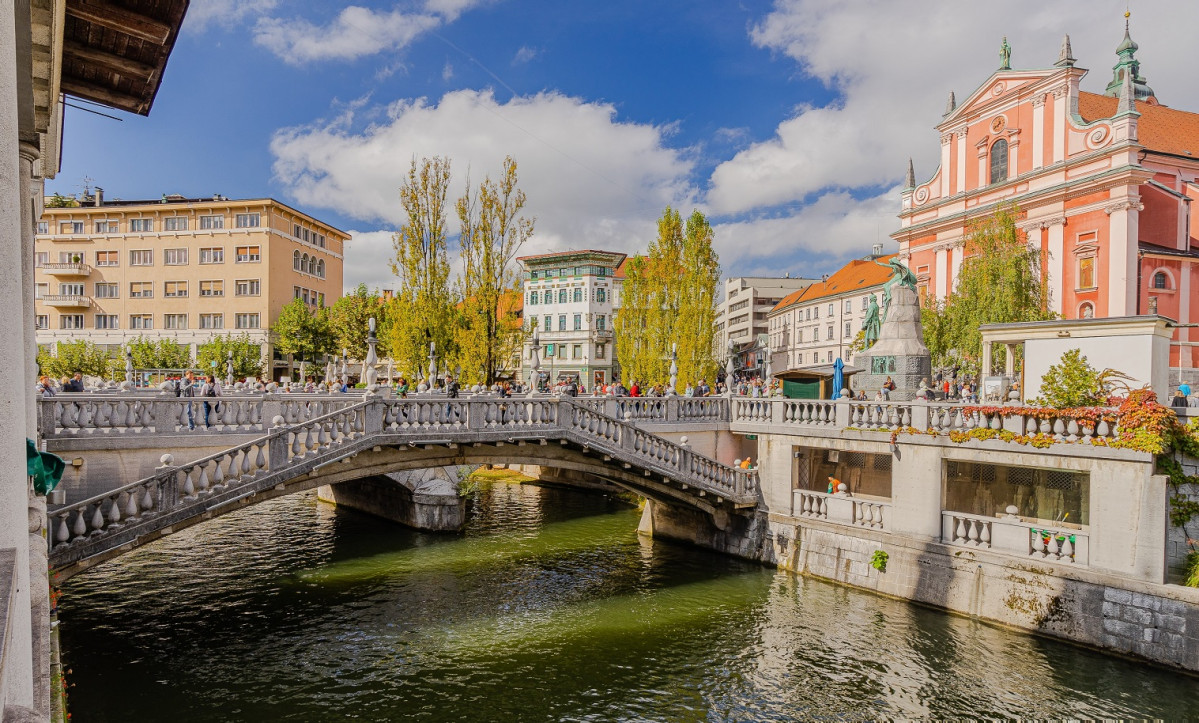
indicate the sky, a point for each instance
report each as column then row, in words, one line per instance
column 788, row 123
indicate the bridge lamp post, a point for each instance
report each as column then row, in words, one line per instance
column 370, row 375
column 229, row 370
column 535, row 364
column 129, row 366
column 674, row 370
column 345, row 368
column 432, row 365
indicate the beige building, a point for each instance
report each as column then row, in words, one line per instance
column 180, row 268
column 741, row 318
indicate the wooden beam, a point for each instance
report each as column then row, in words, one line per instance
column 87, row 91
column 121, row 20
column 124, row 66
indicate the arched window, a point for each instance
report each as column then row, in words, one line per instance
column 320, row 268
column 1161, row 280
column 1086, row 311
column 295, row 260
column 999, row 161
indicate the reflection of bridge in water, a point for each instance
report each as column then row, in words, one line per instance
column 355, row 440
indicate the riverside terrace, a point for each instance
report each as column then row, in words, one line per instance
column 1011, row 515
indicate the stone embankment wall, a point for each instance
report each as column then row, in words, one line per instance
column 424, row 499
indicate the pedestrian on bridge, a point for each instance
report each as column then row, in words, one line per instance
column 187, row 388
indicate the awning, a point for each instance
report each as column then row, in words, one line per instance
column 820, row 371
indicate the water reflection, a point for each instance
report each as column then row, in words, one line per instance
column 550, row 607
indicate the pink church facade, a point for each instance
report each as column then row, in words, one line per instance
column 1104, row 184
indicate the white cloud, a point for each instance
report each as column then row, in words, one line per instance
column 225, row 12
column 447, row 72
column 354, row 33
column 524, row 55
column 368, row 258
column 451, row 9
column 893, row 65
column 591, row 180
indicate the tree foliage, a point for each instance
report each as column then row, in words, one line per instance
column 159, row 354
column 74, row 356
column 999, row 281
column 668, row 297
column 303, row 331
column 349, row 320
column 493, row 230
column 247, row 356
column 424, row 307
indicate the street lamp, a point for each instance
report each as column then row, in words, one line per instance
column 535, row 364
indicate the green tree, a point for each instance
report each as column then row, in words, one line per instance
column 60, row 201
column 695, row 320
column 247, row 356
column 349, row 321
column 493, row 230
column 424, row 311
column 303, row 331
column 74, row 356
column 158, row 354
column 999, row 281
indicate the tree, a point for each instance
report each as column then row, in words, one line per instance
column 60, row 201
column 425, row 304
column 668, row 297
column 349, row 321
column 303, row 331
column 999, row 281
column 247, row 356
column 158, row 354
column 493, row 230
column 74, row 356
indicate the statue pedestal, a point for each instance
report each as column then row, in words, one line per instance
column 900, row 352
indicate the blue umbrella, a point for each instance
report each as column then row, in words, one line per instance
column 838, row 377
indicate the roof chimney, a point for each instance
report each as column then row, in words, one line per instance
column 98, row 199
column 878, row 250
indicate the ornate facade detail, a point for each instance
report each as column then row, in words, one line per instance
column 1038, row 101
column 1125, row 205
column 946, row 138
column 1060, row 91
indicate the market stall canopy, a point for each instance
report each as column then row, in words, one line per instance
column 115, row 53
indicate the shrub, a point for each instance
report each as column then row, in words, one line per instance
column 1072, row 382
column 1190, row 576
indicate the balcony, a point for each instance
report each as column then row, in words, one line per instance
column 67, row 269
column 66, row 301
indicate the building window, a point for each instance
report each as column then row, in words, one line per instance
column 848, row 306
column 70, row 289
column 578, row 296
column 107, row 290
column 533, row 298
column 248, row 254
column 320, row 268
column 106, row 321
column 41, row 290
column 248, row 287
column 141, row 225
column 549, row 297
column 848, row 330
column 43, row 227
column 816, row 312
column 830, row 357
column 798, row 359
column 212, row 288
column 174, row 223
column 1161, row 280
column 865, row 303
column 174, row 257
column 830, row 310
column 108, row 258
column 1086, row 311
column 799, row 336
column 601, row 322
column 601, row 296
column 247, row 321
column 247, row 220
column 174, row 290
column 208, row 223
column 142, row 257
column 1086, row 272
column 212, row 255
column 212, row 321
column 578, row 322
column 562, row 296
column 174, row 321
column 549, row 323
column 70, row 321
column 562, row 322
column 601, row 351
column 576, row 351
column 829, row 334
column 106, row 227
column 141, row 290
column 41, row 258
column 999, row 161
column 41, row 321
column 141, row 321
column 70, row 227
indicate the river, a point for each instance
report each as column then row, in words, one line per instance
column 549, row 608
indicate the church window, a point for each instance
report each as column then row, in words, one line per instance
column 1161, row 281
column 999, row 161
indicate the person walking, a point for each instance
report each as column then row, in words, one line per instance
column 187, row 389
column 208, row 390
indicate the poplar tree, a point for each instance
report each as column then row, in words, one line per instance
column 493, row 230
column 425, row 303
column 695, row 325
column 999, row 281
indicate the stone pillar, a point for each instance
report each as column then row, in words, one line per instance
column 1124, row 222
column 1009, row 360
column 942, row 273
column 1059, row 124
column 14, row 404
column 1038, row 132
column 30, row 201
column 1055, row 232
column 986, row 363
column 960, row 140
column 946, row 152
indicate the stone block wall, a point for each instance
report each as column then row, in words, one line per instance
column 1176, row 537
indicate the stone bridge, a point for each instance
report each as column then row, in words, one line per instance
column 358, row 439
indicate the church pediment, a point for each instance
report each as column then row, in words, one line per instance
column 1000, row 87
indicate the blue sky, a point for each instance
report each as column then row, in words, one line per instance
column 789, row 123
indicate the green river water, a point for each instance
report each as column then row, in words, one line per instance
column 549, row 608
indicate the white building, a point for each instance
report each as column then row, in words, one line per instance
column 570, row 299
column 741, row 316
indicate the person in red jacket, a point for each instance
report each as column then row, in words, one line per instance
column 634, row 391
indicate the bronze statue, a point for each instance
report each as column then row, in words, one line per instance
column 1005, row 55
column 871, row 325
column 900, row 274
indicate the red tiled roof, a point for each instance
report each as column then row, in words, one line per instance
column 1159, row 128
column 856, row 275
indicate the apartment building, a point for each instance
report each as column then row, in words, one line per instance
column 741, row 318
column 179, row 268
column 812, row 328
column 570, row 297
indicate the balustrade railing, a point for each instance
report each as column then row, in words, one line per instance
column 1016, row 537
column 842, row 508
